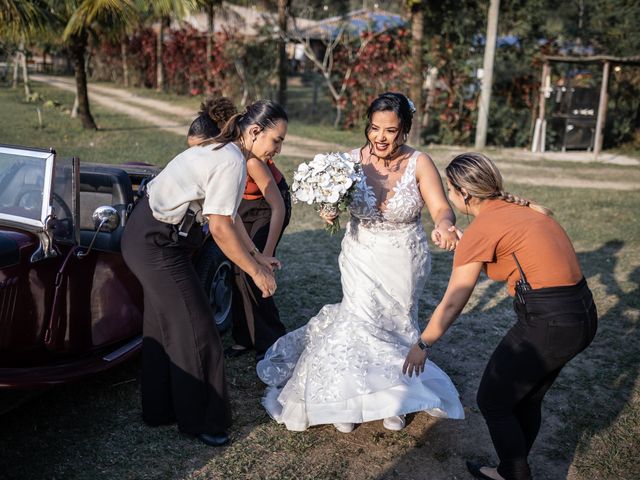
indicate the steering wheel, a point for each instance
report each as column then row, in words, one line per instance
column 31, row 198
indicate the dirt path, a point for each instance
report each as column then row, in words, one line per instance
column 168, row 117
column 176, row 119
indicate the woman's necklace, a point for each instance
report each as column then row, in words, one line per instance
column 395, row 155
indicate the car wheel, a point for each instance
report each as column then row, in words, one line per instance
column 216, row 275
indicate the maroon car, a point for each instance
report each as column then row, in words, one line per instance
column 69, row 306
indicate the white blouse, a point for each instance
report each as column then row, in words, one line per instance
column 207, row 180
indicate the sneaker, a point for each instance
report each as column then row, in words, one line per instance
column 394, row 423
column 344, row 427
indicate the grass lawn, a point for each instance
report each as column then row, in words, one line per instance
column 120, row 139
column 591, row 429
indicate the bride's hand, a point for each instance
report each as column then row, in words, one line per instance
column 446, row 237
column 457, row 231
column 415, row 361
column 328, row 217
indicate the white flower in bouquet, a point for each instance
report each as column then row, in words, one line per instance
column 327, row 182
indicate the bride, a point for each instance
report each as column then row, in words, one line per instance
column 345, row 366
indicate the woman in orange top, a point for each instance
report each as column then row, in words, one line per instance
column 265, row 211
column 516, row 241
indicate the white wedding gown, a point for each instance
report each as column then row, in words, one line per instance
column 345, row 365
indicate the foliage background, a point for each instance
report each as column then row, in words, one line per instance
column 246, row 68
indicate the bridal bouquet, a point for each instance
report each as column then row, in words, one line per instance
column 327, row 182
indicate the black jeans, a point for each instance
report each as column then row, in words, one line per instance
column 554, row 325
column 183, row 377
column 256, row 320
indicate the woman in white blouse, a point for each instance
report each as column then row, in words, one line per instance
column 183, row 376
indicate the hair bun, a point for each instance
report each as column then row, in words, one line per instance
column 219, row 109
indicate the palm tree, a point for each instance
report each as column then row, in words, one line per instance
column 76, row 18
column 209, row 7
column 20, row 21
column 19, row 18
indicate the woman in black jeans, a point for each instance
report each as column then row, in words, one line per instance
column 183, row 377
column 516, row 241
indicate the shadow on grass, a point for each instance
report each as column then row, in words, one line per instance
column 93, row 430
column 587, row 401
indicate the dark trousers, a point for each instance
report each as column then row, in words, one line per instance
column 183, row 375
column 554, row 325
column 256, row 320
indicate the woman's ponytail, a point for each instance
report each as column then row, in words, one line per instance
column 230, row 132
column 263, row 113
column 480, row 178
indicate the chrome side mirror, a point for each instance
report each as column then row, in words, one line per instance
column 105, row 219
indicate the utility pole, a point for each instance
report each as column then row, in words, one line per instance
column 415, row 89
column 487, row 74
column 283, row 7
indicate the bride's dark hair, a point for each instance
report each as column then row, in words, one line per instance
column 396, row 103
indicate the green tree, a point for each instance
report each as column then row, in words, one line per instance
column 20, row 22
column 162, row 11
column 75, row 19
column 210, row 7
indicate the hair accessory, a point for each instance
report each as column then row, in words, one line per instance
column 412, row 107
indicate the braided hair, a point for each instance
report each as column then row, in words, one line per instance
column 480, row 177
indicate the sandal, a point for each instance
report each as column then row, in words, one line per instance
column 474, row 469
column 231, row 352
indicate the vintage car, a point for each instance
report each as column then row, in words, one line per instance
column 69, row 306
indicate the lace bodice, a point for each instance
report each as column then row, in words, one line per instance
column 404, row 206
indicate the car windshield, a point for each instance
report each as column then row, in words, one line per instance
column 22, row 181
column 62, row 200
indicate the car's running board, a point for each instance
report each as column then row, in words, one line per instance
column 124, row 349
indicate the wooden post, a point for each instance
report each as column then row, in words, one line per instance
column 602, row 110
column 487, row 76
column 538, row 134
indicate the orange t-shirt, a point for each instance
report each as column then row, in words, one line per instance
column 543, row 248
column 251, row 190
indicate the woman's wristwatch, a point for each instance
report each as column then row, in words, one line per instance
column 423, row 345
column 254, row 251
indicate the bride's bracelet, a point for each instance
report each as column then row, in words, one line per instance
column 424, row 346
